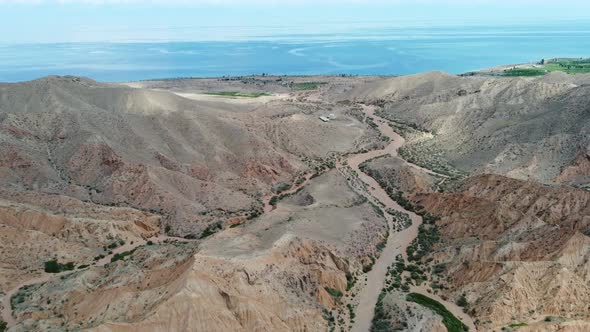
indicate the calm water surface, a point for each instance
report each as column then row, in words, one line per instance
column 382, row 51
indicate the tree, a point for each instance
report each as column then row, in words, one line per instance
column 462, row 301
column 52, row 266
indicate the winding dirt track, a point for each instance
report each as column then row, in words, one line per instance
column 397, row 242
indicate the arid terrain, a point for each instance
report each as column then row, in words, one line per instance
column 430, row 202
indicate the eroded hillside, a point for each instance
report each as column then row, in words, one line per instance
column 429, row 202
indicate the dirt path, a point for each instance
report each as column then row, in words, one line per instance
column 7, row 315
column 397, row 241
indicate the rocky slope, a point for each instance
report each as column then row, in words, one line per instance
column 88, row 166
column 517, row 250
column 145, row 149
column 519, row 127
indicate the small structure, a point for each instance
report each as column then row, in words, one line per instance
column 323, row 118
column 331, row 116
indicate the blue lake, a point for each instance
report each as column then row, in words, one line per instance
column 380, row 51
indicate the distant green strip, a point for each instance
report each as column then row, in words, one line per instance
column 307, row 85
column 569, row 66
column 525, row 72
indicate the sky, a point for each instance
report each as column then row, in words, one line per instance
column 52, row 21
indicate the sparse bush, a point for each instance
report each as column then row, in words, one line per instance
column 350, row 281
column 122, row 255
column 212, row 229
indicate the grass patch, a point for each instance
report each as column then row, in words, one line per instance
column 452, row 323
column 236, row 94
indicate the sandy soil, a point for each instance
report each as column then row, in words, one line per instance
column 234, row 100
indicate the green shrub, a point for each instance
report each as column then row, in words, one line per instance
column 350, row 281
column 53, row 266
column 449, row 320
column 462, row 301
column 428, row 235
column 122, row 255
column 381, row 319
column 439, row 268
column 212, row 229
column 334, row 292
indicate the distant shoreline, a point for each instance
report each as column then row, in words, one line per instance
column 532, row 69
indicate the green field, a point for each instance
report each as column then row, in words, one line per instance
column 525, row 72
column 452, row 323
column 236, row 94
column 569, row 66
